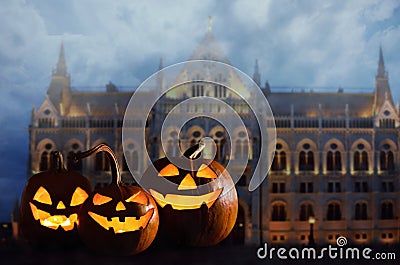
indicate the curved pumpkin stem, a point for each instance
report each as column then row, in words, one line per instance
column 195, row 151
column 57, row 162
column 115, row 174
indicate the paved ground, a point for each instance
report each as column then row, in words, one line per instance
column 20, row 253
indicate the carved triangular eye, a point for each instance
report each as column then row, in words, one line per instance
column 206, row 172
column 138, row 197
column 169, row 171
column 43, row 196
column 99, row 199
column 78, row 197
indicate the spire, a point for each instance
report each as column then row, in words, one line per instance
column 209, row 48
column 61, row 67
column 256, row 75
column 381, row 65
column 59, row 90
column 209, row 26
column 160, row 75
column 382, row 87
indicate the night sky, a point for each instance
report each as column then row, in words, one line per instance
column 298, row 43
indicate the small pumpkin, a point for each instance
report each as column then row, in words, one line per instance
column 117, row 219
column 50, row 203
column 190, row 215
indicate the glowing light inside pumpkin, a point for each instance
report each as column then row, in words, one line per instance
column 60, row 206
column 186, row 202
column 54, row 221
column 138, row 197
column 78, row 197
column 99, row 199
column 120, row 207
column 43, row 196
column 206, row 172
column 187, row 183
column 130, row 224
column 169, row 171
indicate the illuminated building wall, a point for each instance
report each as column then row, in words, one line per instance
column 337, row 153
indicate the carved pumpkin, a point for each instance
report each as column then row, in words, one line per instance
column 117, row 219
column 189, row 215
column 50, row 204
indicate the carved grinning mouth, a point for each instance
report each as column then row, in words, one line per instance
column 54, row 221
column 127, row 224
column 186, row 202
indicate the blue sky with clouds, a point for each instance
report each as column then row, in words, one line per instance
column 298, row 43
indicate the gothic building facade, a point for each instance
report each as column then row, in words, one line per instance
column 336, row 158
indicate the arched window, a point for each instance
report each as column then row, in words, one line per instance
column 364, row 160
column 101, row 162
column 306, row 158
column 333, row 159
column 386, row 159
column 44, row 161
column 130, row 157
column 245, row 149
column 238, row 149
column 278, row 212
column 74, row 166
column 279, row 162
column 360, row 160
column 334, row 212
column 387, row 210
column 361, row 211
column 306, row 210
column 306, row 161
column 390, row 164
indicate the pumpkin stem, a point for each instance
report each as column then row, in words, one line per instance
column 194, row 151
column 57, row 162
column 115, row 174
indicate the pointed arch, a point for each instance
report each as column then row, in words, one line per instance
column 333, row 157
column 280, row 161
column 43, row 150
column 74, row 145
column 307, row 158
column 361, row 156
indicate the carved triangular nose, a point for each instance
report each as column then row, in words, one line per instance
column 187, row 183
column 60, row 205
column 120, row 207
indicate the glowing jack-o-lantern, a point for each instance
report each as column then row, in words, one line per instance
column 50, row 204
column 190, row 215
column 117, row 219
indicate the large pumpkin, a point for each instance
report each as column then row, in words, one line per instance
column 50, row 204
column 190, row 215
column 117, row 219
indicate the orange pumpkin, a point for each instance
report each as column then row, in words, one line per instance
column 188, row 215
column 117, row 219
column 50, row 204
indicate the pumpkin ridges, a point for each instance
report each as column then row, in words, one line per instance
column 201, row 226
column 60, row 185
column 102, row 234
